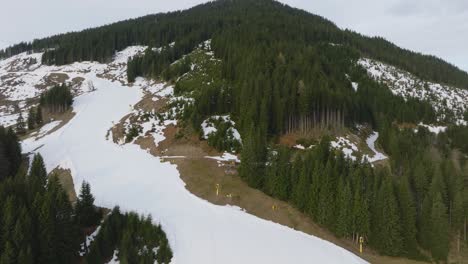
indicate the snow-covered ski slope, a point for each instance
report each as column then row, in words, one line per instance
column 126, row 175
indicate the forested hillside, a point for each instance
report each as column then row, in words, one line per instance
column 273, row 70
column 190, row 27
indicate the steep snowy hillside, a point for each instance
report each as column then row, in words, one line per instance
column 199, row 232
column 449, row 102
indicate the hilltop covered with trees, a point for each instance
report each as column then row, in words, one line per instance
column 190, row 27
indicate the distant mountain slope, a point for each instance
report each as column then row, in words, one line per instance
column 204, row 21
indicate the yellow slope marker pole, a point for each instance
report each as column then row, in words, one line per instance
column 217, row 189
column 361, row 241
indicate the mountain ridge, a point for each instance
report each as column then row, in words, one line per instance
column 375, row 47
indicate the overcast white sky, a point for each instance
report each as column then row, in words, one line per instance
column 438, row 27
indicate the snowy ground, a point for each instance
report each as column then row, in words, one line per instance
column 447, row 101
column 351, row 151
column 126, row 175
column 371, row 143
column 23, row 78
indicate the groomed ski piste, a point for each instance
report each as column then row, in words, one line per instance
column 128, row 176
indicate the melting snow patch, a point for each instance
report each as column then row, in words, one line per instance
column 371, row 143
column 299, row 147
column 89, row 239
column 209, row 127
column 115, row 258
column 225, row 157
column 434, row 129
column 346, row 146
column 445, row 100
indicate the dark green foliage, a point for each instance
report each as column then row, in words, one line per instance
column 10, row 153
column 34, row 118
column 223, row 139
column 133, row 236
column 39, row 120
column 37, row 175
column 87, row 214
column 58, row 99
column 386, row 222
column 439, row 239
column 202, row 22
column 407, row 218
column 31, row 118
column 394, row 212
column 132, row 133
column 36, row 228
column 20, row 124
column 459, row 136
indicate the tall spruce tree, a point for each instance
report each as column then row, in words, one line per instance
column 387, row 228
column 38, row 175
column 20, row 124
column 31, row 118
column 86, row 212
column 439, row 237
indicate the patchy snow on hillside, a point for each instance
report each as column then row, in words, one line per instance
column 23, row 78
column 88, row 241
column 209, row 127
column 447, row 101
column 8, row 120
column 122, row 57
column 434, row 129
column 225, row 157
column 346, row 146
column 44, row 130
column 115, row 258
column 128, row 176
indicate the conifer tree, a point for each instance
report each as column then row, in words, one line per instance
column 86, row 212
column 39, row 120
column 387, row 230
column 360, row 215
column 300, row 193
column 31, row 119
column 343, row 207
column 38, row 174
column 8, row 255
column 25, row 256
column 408, row 219
column 439, row 237
column 20, row 125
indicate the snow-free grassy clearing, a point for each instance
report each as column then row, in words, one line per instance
column 198, row 231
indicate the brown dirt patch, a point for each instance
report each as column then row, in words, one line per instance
column 118, row 130
column 148, row 105
column 52, row 79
